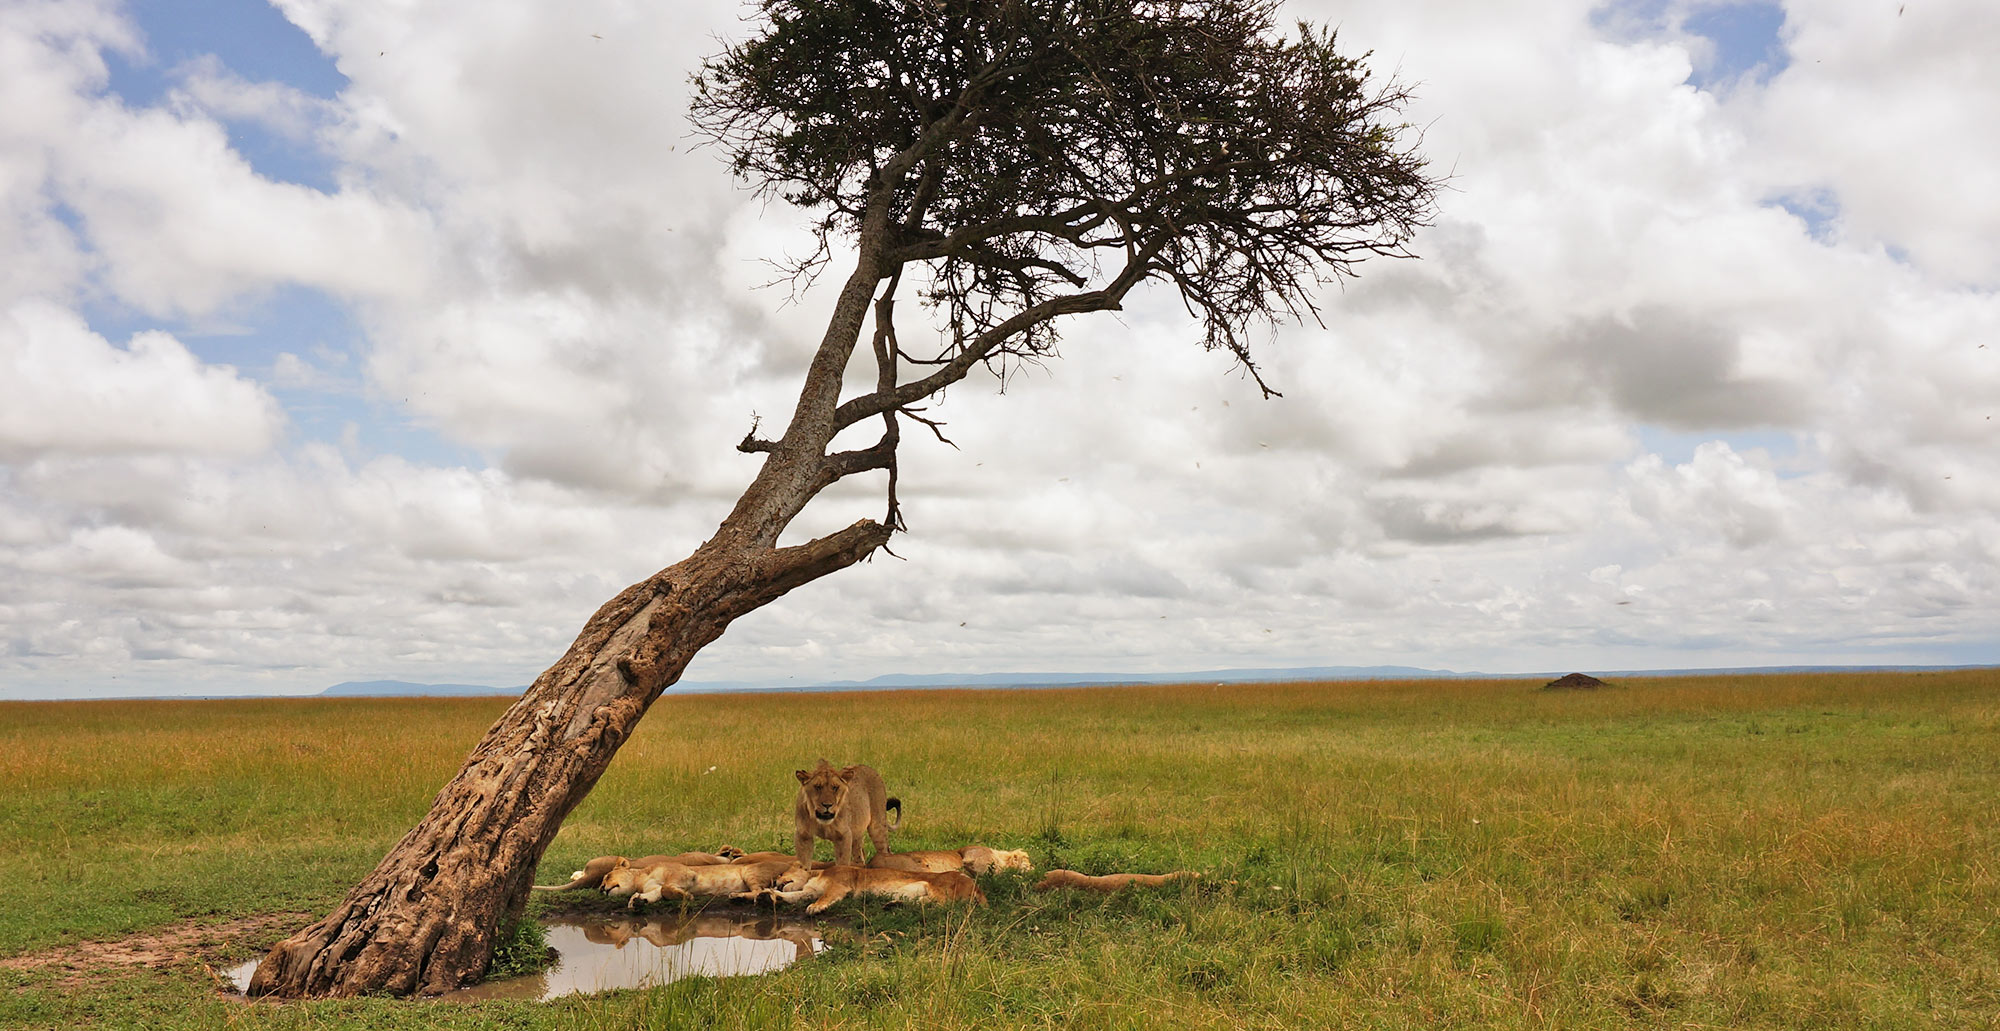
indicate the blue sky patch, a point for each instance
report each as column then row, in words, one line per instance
column 249, row 36
column 1745, row 38
column 321, row 331
column 255, row 42
column 283, row 160
column 1677, row 448
column 1818, row 208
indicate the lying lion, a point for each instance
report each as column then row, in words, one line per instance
column 1111, row 881
column 842, row 806
column 678, row 881
column 976, row 859
column 826, row 887
column 773, row 857
column 592, row 874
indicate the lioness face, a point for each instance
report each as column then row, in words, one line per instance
column 1016, row 859
column 795, row 878
column 622, row 881
column 826, row 791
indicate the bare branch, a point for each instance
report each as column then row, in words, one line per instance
column 936, row 426
column 886, row 350
column 987, row 344
column 781, row 569
column 751, row 443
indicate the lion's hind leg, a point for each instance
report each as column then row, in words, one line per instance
column 878, row 832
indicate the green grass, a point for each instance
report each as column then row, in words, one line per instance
column 1744, row 852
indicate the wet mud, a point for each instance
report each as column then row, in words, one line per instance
column 599, row 952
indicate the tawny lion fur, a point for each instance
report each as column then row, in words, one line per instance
column 977, row 859
column 842, row 806
column 592, row 874
column 773, row 857
column 1111, row 881
column 678, row 881
column 826, row 887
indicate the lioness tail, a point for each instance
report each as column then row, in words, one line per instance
column 896, row 804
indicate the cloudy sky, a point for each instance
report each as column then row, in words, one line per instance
column 344, row 340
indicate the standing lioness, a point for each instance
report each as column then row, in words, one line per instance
column 841, row 806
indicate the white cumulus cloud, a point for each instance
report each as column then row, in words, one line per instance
column 69, row 391
column 1686, row 375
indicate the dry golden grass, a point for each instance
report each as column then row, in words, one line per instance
column 1775, row 851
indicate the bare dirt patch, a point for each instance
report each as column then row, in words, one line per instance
column 209, row 943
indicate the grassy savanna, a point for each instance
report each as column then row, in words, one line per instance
column 1782, row 852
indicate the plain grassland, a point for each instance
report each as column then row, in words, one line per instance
column 1768, row 851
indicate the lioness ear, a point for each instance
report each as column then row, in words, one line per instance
column 801, row 774
column 847, row 772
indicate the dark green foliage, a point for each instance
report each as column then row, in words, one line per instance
column 1022, row 145
column 523, row 949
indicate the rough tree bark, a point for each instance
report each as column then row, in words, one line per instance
column 424, row 920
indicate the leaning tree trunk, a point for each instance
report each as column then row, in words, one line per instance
column 424, row 920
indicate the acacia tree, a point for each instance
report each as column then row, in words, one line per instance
column 1005, row 162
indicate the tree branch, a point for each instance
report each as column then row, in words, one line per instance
column 781, row 569
column 886, row 350
column 988, row 343
column 751, row 443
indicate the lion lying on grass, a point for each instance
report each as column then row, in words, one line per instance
column 976, row 859
column 592, row 874
column 842, row 806
column 773, row 857
column 679, row 881
column 826, row 887
column 1111, row 881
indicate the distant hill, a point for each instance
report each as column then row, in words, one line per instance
column 403, row 688
column 920, row 681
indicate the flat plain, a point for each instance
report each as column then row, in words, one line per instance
column 1734, row 851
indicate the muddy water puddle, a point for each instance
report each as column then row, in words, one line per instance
column 597, row 952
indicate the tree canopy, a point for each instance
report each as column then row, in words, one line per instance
column 1042, row 157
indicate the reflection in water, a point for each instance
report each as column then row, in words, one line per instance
column 597, row 952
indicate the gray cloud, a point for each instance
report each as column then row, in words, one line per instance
column 1461, row 473
column 1670, row 368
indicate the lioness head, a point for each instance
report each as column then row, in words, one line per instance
column 982, row 860
column 825, row 789
column 794, row 879
column 623, row 881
